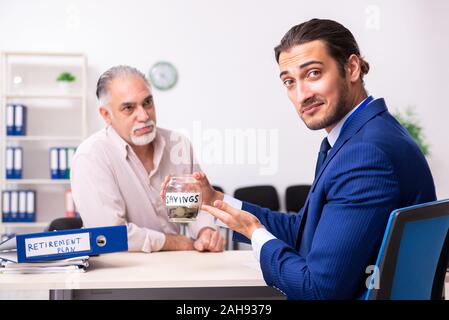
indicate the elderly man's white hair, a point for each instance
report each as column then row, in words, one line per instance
column 111, row 74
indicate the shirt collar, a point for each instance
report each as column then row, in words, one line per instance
column 335, row 132
column 159, row 147
column 118, row 141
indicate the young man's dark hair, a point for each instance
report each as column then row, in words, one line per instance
column 339, row 41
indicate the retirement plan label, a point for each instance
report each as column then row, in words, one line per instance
column 43, row 246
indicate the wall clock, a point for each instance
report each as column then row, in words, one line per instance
column 163, row 75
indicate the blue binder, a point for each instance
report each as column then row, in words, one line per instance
column 20, row 116
column 6, row 206
column 31, row 206
column 9, row 163
column 14, row 203
column 54, row 163
column 62, row 163
column 22, row 207
column 18, row 163
column 56, row 245
column 10, row 120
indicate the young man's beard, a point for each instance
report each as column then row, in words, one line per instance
column 337, row 113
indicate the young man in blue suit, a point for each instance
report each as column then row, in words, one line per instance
column 368, row 166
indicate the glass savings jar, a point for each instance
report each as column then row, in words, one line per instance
column 183, row 198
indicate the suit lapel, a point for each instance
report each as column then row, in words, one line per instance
column 370, row 111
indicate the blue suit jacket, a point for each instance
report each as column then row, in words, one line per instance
column 323, row 251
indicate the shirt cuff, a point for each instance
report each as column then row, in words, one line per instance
column 259, row 237
column 154, row 241
column 233, row 202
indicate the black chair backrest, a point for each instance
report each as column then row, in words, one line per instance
column 295, row 197
column 264, row 196
column 65, row 224
column 218, row 188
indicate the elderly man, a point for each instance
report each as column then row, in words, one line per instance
column 116, row 173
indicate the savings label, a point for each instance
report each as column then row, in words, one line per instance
column 184, row 199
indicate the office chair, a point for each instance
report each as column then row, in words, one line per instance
column 295, row 197
column 414, row 254
column 264, row 196
column 65, row 224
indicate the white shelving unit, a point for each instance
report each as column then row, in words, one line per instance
column 37, row 181
column 44, row 138
column 54, row 118
column 44, row 96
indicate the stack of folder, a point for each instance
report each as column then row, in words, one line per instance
column 59, row 251
column 78, row 264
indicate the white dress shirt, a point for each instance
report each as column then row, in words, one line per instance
column 261, row 236
column 111, row 186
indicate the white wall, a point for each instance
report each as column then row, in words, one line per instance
column 223, row 50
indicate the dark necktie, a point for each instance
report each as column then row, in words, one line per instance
column 324, row 149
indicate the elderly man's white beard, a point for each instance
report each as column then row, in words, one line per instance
column 145, row 138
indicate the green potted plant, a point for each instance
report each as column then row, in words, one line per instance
column 408, row 121
column 64, row 80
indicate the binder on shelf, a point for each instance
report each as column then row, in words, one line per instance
column 54, row 172
column 56, row 245
column 70, row 154
column 18, row 163
column 6, row 206
column 19, row 205
column 22, row 206
column 10, row 120
column 14, row 206
column 30, row 206
column 9, row 163
column 62, row 163
column 20, row 115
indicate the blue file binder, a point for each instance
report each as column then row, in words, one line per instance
column 10, row 120
column 62, row 163
column 14, row 203
column 22, row 206
column 70, row 154
column 20, row 116
column 9, row 163
column 54, row 163
column 6, row 206
column 18, row 163
column 31, row 206
column 56, row 245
